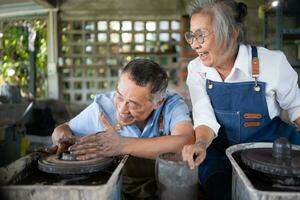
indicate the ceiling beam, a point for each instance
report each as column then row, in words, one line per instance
column 46, row 3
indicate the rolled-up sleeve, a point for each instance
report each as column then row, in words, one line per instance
column 287, row 89
column 203, row 113
column 176, row 111
column 87, row 121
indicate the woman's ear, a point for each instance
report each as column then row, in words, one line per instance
column 237, row 33
column 159, row 103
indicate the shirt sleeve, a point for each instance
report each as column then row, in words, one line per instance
column 176, row 111
column 287, row 89
column 87, row 121
column 203, row 113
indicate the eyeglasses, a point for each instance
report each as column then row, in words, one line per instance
column 200, row 35
column 131, row 104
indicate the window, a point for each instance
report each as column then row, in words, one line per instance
column 93, row 52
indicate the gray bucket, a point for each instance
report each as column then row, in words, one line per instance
column 175, row 179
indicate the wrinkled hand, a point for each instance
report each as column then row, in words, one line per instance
column 61, row 131
column 104, row 144
column 64, row 143
column 62, row 138
column 194, row 154
column 61, row 146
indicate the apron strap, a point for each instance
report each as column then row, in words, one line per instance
column 139, row 180
column 161, row 119
column 255, row 68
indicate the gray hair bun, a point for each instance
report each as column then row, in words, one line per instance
column 241, row 10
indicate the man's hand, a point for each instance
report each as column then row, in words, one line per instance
column 62, row 138
column 64, row 143
column 194, row 154
column 104, row 144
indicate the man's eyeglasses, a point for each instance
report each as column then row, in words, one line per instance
column 199, row 35
column 135, row 106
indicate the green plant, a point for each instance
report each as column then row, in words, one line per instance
column 14, row 53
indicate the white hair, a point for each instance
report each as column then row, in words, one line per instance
column 227, row 17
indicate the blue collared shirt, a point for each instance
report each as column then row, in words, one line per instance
column 173, row 110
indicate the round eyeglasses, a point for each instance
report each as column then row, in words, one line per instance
column 199, row 35
column 132, row 105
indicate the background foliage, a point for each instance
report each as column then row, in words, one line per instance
column 14, row 53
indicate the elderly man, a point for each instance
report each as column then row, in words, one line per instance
column 141, row 118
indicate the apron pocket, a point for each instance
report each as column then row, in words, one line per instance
column 230, row 125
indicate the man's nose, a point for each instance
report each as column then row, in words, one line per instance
column 123, row 107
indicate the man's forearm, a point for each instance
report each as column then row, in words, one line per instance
column 152, row 147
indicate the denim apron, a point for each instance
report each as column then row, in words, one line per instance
column 139, row 182
column 241, row 110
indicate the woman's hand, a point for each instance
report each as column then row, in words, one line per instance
column 194, row 154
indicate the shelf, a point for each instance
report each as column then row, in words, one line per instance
column 291, row 34
column 151, row 53
column 283, row 39
column 295, row 64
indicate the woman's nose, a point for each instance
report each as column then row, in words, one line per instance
column 195, row 45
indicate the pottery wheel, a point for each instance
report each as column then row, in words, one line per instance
column 261, row 159
column 52, row 164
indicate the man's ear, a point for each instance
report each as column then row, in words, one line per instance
column 159, row 103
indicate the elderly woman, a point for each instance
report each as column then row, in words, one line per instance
column 237, row 92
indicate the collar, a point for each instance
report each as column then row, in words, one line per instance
column 242, row 63
column 243, row 60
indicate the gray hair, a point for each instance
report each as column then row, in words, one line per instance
column 227, row 16
column 147, row 72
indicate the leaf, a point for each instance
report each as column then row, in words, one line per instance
column 15, row 54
